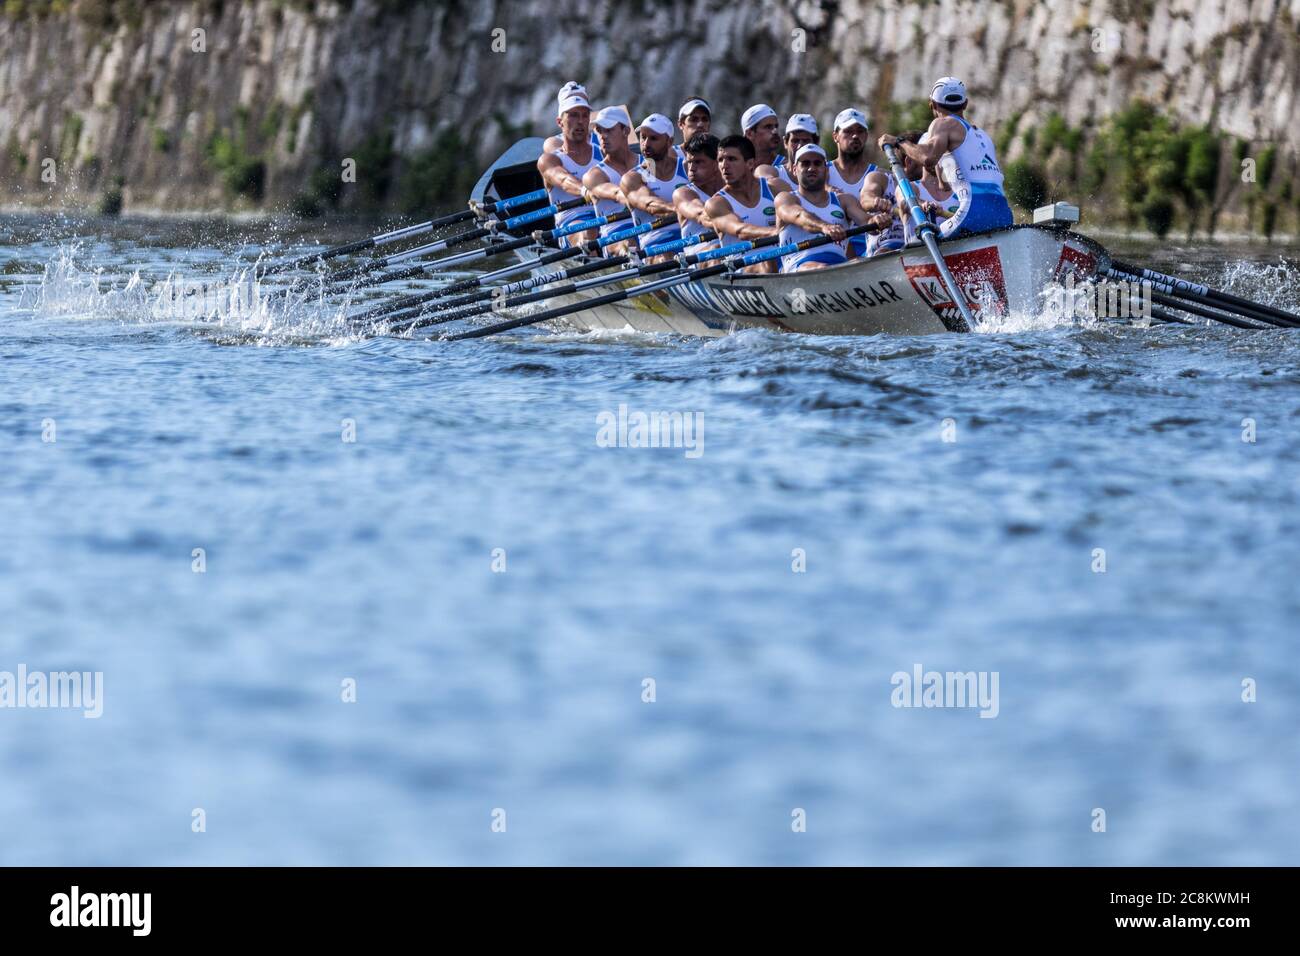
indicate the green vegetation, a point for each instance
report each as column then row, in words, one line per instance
column 162, row 140
column 242, row 175
column 1024, row 185
column 1145, row 169
column 110, row 204
column 908, row 115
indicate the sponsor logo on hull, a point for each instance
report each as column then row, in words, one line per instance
column 979, row 277
column 1075, row 262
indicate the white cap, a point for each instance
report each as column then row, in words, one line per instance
column 755, row 115
column 807, row 148
column 691, row 106
column 801, row 121
column 611, row 116
column 571, row 88
column 573, row 101
column 657, row 123
column 948, row 91
column 850, row 116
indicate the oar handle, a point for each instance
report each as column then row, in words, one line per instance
column 635, row 231
column 514, row 222
column 582, row 225
column 502, row 205
column 677, row 245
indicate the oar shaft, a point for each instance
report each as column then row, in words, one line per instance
column 682, row 275
column 1183, row 286
column 1183, row 289
column 406, row 232
column 1159, row 298
column 964, row 321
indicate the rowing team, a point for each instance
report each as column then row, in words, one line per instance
column 761, row 183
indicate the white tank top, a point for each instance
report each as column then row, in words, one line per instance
column 892, row 237
column 762, row 214
column 949, row 205
column 977, row 160
column 662, row 189
column 689, row 226
column 577, row 170
column 836, row 180
column 832, row 212
column 607, row 207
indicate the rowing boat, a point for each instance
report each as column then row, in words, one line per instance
column 1003, row 273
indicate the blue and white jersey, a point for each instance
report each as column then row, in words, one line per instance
column 835, row 179
column 662, row 189
column 608, row 207
column 558, row 195
column 689, row 226
column 973, row 172
column 950, row 205
column 829, row 253
column 762, row 214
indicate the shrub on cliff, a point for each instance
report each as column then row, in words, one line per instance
column 1024, row 185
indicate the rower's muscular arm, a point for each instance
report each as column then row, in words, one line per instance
column 639, row 196
column 790, row 211
column 599, row 186
column 725, row 221
column 873, row 193
column 554, row 174
column 690, row 206
column 945, row 135
column 853, row 209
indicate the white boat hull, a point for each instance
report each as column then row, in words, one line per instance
column 1000, row 273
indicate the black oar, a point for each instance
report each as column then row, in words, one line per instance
column 1183, row 289
column 1192, row 309
column 965, row 321
column 418, row 318
column 416, row 252
column 681, row 276
column 403, row 307
column 406, row 232
column 539, row 238
column 449, row 311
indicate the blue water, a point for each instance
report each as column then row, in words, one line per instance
column 481, row 690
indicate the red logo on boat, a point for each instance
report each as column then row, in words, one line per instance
column 1082, row 265
column 979, row 276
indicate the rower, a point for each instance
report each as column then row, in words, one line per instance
column 969, row 162
column 760, row 126
column 705, row 181
column 878, row 197
column 695, row 116
column 939, row 201
column 849, row 169
column 572, row 88
column 649, row 186
column 800, row 130
column 811, row 209
column 601, row 182
column 562, row 170
column 743, row 209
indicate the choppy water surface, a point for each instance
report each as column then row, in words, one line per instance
column 372, row 560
